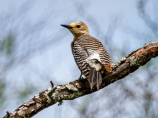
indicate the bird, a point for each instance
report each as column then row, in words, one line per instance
column 89, row 53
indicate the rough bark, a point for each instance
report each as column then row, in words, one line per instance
column 78, row 88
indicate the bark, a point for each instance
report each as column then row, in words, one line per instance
column 79, row 88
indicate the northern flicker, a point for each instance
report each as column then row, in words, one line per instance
column 90, row 55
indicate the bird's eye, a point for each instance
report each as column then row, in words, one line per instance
column 78, row 26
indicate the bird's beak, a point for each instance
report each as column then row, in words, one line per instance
column 67, row 26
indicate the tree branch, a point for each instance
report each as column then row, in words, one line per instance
column 81, row 87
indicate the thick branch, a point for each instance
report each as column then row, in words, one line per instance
column 81, row 87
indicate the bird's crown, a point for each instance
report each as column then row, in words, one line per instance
column 79, row 24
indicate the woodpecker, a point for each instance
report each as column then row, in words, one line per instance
column 89, row 53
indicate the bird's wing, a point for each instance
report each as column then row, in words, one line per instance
column 105, row 58
column 83, row 52
column 80, row 55
column 91, row 45
column 95, row 45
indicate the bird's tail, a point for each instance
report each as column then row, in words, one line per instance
column 95, row 78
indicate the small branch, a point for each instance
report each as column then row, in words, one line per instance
column 52, row 84
column 81, row 87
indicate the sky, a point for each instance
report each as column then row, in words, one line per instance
column 36, row 22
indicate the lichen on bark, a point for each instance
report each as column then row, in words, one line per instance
column 134, row 61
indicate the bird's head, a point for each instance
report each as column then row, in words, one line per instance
column 77, row 28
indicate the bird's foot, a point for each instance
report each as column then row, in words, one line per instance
column 80, row 78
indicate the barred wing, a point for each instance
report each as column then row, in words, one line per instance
column 105, row 58
column 80, row 55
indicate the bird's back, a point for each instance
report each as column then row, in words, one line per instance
column 85, row 47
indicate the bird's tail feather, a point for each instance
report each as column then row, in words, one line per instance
column 95, row 78
column 92, row 79
column 99, row 79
